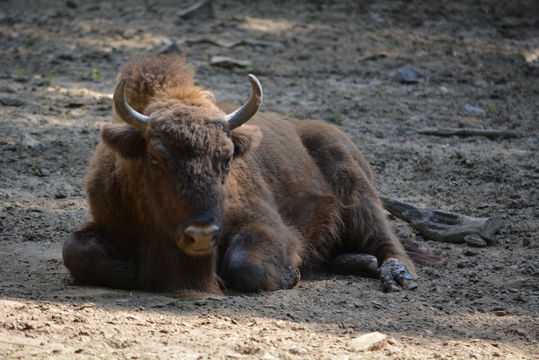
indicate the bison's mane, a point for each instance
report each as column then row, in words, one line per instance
column 162, row 78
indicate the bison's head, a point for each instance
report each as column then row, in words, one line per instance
column 179, row 157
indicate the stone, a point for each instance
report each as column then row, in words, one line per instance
column 475, row 240
column 28, row 141
column 229, row 63
column 369, row 342
column 408, row 75
column 473, row 109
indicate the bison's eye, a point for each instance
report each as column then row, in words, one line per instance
column 226, row 163
column 154, row 162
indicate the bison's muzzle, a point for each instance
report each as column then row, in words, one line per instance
column 198, row 240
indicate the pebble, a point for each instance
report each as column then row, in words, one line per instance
column 473, row 109
column 71, row 4
column 10, row 101
column 60, row 194
column 408, row 75
column 229, row 63
column 475, row 240
column 368, row 342
column 28, row 141
column 169, row 47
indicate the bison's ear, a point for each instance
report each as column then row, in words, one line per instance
column 245, row 138
column 124, row 139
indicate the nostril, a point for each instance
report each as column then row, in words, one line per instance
column 207, row 231
column 189, row 240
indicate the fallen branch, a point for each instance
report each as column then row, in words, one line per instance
column 220, row 43
column 444, row 226
column 202, row 9
column 490, row 133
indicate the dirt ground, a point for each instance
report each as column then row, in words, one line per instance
column 328, row 60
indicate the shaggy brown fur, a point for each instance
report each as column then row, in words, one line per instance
column 294, row 194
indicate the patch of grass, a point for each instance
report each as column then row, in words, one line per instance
column 335, row 118
column 491, row 109
column 95, row 74
column 19, row 72
column 29, row 42
column 47, row 79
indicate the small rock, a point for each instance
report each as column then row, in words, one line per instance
column 531, row 56
column 85, row 306
column 229, row 63
column 74, row 105
column 65, row 57
column 71, row 4
column 473, row 109
column 376, row 305
column 369, row 342
column 444, row 90
column 42, row 172
column 169, row 47
column 6, row 89
column 129, row 33
column 475, row 240
column 10, row 101
column 470, row 253
column 256, row 42
column 8, row 20
column 60, row 194
column 28, row 141
column 408, row 75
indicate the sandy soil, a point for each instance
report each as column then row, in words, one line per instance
column 326, row 60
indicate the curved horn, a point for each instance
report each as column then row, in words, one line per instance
column 247, row 111
column 126, row 112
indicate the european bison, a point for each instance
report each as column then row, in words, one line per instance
column 186, row 197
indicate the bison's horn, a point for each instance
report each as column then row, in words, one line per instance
column 125, row 111
column 247, row 111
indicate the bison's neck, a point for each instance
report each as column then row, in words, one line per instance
column 164, row 267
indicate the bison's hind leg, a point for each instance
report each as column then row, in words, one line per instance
column 365, row 227
column 93, row 259
column 393, row 274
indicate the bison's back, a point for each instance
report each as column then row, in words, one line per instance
column 298, row 188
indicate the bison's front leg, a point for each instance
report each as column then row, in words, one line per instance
column 93, row 259
column 260, row 258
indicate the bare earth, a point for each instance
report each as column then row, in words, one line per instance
column 326, row 60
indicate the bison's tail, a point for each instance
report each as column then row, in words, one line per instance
column 423, row 257
column 149, row 76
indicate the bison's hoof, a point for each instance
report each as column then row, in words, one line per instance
column 293, row 277
column 394, row 276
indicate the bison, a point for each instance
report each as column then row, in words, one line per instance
column 184, row 195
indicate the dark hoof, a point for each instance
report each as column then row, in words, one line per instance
column 395, row 276
column 292, row 278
